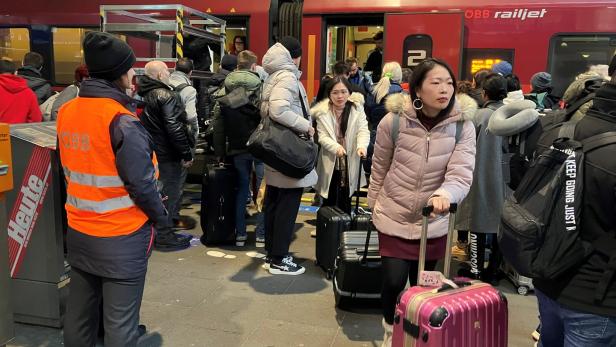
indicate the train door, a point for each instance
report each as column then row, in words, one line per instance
column 413, row 37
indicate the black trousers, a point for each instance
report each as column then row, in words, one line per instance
column 395, row 274
column 338, row 194
column 477, row 254
column 121, row 305
column 281, row 206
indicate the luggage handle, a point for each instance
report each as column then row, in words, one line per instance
column 361, row 162
column 364, row 259
column 425, row 212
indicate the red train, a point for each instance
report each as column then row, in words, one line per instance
column 562, row 37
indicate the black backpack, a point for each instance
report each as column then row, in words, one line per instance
column 539, row 234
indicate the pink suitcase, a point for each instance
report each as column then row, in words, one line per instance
column 475, row 314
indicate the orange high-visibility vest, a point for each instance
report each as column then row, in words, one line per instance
column 97, row 202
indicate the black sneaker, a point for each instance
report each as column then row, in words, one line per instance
column 184, row 223
column 171, row 242
column 141, row 330
column 286, row 267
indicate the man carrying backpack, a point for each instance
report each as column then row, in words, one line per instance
column 236, row 116
column 578, row 308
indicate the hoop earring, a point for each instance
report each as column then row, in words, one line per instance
column 415, row 106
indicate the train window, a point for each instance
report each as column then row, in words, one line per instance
column 345, row 41
column 14, row 43
column 475, row 59
column 571, row 55
column 67, row 52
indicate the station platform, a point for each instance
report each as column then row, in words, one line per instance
column 220, row 296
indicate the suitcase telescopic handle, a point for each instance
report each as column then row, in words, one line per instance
column 361, row 163
column 425, row 212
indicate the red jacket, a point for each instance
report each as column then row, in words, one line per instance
column 18, row 103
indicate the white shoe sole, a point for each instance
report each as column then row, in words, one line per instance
column 280, row 272
column 265, row 266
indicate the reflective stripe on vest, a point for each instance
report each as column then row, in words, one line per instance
column 100, row 206
column 93, row 180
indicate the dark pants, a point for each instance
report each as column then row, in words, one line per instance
column 121, row 303
column 477, row 254
column 281, row 207
column 395, row 274
column 243, row 165
column 338, row 194
column 171, row 179
column 562, row 327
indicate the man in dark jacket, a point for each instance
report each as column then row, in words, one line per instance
column 112, row 201
column 165, row 119
column 236, row 116
column 579, row 309
column 374, row 64
column 31, row 72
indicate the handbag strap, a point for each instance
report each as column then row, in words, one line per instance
column 304, row 111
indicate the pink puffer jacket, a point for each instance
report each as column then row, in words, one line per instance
column 424, row 164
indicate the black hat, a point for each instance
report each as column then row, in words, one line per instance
column 229, row 62
column 612, row 67
column 107, row 56
column 292, row 45
column 378, row 36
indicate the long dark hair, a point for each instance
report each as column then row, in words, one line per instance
column 347, row 108
column 419, row 75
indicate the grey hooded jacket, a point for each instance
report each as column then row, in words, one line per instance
column 281, row 100
column 189, row 98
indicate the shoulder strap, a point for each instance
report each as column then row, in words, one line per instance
column 180, row 87
column 574, row 107
column 304, row 111
column 395, row 128
column 459, row 126
column 598, row 141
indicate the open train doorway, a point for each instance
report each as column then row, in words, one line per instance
column 347, row 37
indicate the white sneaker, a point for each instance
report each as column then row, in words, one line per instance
column 313, row 233
column 286, row 267
column 387, row 336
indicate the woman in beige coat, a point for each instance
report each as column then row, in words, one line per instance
column 427, row 164
column 343, row 133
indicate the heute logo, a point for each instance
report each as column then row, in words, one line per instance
column 518, row 13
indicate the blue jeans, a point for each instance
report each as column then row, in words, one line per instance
column 562, row 327
column 243, row 164
column 260, row 172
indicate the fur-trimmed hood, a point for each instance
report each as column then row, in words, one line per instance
column 401, row 103
column 322, row 107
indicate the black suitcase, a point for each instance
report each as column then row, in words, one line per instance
column 358, row 268
column 218, row 204
column 331, row 223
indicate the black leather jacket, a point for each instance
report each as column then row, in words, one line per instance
column 164, row 117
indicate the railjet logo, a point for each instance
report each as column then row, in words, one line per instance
column 518, row 14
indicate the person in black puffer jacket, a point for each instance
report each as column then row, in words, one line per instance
column 165, row 119
column 580, row 307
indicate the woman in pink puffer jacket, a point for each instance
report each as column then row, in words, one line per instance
column 424, row 166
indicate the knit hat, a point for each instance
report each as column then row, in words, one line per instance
column 292, row 45
column 503, row 68
column 228, row 62
column 107, row 56
column 541, row 81
column 612, row 67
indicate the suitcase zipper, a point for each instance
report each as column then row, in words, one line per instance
column 427, row 146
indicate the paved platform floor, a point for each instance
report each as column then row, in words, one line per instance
column 221, row 296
